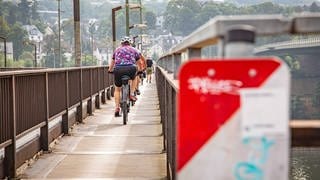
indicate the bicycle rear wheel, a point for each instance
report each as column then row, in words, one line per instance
column 124, row 103
column 124, row 113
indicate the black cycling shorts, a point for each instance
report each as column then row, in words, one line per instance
column 120, row 71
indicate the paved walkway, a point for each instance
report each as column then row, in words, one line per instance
column 104, row 148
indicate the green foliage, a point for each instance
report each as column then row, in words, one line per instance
column 181, row 16
column 151, row 19
column 184, row 16
column 292, row 62
column 87, row 60
column 25, row 11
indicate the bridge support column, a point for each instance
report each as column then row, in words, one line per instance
column 240, row 41
column 176, row 64
column 89, row 106
column 97, row 101
column 103, row 97
column 79, row 113
column 193, row 53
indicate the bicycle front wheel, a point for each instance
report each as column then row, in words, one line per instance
column 124, row 103
column 125, row 113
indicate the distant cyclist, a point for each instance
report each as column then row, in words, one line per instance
column 124, row 61
column 149, row 69
column 143, row 65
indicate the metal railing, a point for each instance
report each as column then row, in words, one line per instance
column 167, row 91
column 213, row 33
column 31, row 99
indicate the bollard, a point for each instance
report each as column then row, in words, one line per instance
column 239, row 41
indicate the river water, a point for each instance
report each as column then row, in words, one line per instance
column 305, row 163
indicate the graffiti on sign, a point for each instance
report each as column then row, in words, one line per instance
column 252, row 169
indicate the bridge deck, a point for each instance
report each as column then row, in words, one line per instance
column 102, row 147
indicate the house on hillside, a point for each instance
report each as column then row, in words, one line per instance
column 167, row 41
column 36, row 37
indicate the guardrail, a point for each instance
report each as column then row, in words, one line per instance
column 167, row 93
column 31, row 100
column 305, row 133
column 277, row 48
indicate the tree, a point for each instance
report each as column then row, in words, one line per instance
column 181, row 16
column 34, row 14
column 24, row 10
column 314, row 7
column 67, row 32
column 17, row 35
column 151, row 19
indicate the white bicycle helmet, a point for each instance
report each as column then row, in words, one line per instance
column 126, row 39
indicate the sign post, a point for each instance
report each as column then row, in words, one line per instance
column 233, row 119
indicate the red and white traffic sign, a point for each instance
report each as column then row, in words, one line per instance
column 233, row 119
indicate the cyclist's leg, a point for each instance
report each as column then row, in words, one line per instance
column 137, row 85
column 118, row 83
column 133, row 75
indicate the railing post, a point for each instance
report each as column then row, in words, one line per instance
column 176, row 64
column 10, row 151
column 44, row 131
column 103, row 94
column 79, row 108
column 97, row 99
column 65, row 117
column 240, row 41
column 89, row 102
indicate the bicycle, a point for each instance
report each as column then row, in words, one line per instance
column 125, row 98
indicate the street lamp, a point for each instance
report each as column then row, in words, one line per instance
column 114, row 26
column 5, row 50
column 114, row 10
column 59, row 32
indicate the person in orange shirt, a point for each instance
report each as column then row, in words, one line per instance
column 143, row 65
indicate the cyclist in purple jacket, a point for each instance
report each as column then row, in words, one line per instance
column 124, row 62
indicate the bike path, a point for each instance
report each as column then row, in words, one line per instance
column 102, row 147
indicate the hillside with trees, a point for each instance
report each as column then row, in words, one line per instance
column 184, row 16
column 283, row 2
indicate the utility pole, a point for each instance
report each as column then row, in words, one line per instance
column 59, row 33
column 77, row 38
column 127, row 18
column 140, row 23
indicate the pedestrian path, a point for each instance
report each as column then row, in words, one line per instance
column 102, row 147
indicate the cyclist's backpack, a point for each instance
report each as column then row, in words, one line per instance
column 149, row 62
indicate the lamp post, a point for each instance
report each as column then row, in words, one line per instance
column 127, row 18
column 77, row 37
column 5, row 50
column 114, row 26
column 114, row 10
column 140, row 23
column 59, row 32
